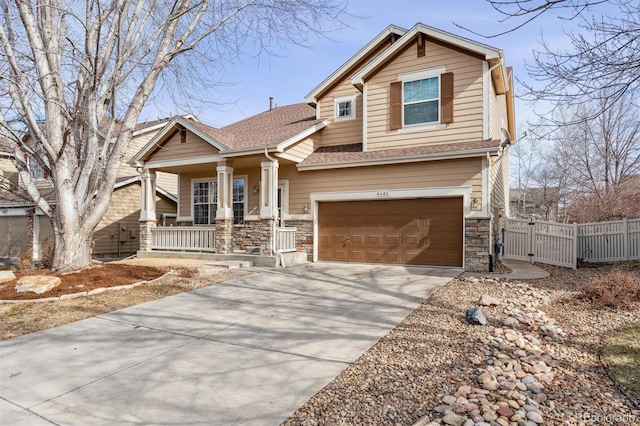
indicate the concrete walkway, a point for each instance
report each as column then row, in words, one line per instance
column 249, row 351
column 521, row 270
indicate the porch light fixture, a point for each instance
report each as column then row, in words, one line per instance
column 475, row 204
column 306, row 208
column 256, row 189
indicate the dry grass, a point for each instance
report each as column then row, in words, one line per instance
column 621, row 354
column 25, row 318
column 618, row 290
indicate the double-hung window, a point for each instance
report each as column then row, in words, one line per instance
column 37, row 173
column 238, row 200
column 205, row 202
column 421, row 102
column 422, row 98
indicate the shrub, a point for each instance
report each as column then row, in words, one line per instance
column 615, row 290
column 187, row 272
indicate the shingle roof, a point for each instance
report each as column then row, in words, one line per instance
column 353, row 152
column 266, row 129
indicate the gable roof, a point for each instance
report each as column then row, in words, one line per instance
column 485, row 51
column 391, row 30
column 274, row 129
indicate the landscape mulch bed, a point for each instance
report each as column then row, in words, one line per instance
column 99, row 276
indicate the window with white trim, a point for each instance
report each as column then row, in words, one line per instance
column 345, row 107
column 239, row 197
column 37, row 173
column 205, row 202
column 421, row 101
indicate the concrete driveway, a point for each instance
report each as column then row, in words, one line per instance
column 249, row 351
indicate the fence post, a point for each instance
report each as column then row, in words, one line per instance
column 625, row 238
column 531, row 236
column 575, row 246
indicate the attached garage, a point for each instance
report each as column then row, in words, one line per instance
column 421, row 231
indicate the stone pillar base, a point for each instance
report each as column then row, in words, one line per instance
column 477, row 245
column 146, row 237
column 224, row 236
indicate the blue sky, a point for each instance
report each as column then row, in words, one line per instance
column 296, row 70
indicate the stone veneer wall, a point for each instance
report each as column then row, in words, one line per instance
column 224, row 236
column 146, row 238
column 254, row 233
column 304, row 235
column 477, row 244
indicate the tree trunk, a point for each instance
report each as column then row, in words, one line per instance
column 72, row 250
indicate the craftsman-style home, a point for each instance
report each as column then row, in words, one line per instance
column 400, row 156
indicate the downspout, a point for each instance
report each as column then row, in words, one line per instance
column 274, row 230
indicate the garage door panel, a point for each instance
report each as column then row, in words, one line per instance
column 413, row 231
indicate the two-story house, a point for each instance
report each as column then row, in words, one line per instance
column 400, row 156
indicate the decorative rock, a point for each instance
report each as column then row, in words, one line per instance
column 449, row 399
column 490, row 416
column 37, row 284
column 505, row 412
column 535, row 417
column 534, row 387
column 539, row 398
column 453, row 419
column 476, row 317
column 486, row 300
column 6, row 276
column 528, row 379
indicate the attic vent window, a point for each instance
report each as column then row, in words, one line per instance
column 345, row 108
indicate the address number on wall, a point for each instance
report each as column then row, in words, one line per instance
column 382, row 194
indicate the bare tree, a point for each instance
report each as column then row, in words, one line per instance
column 599, row 159
column 603, row 58
column 74, row 76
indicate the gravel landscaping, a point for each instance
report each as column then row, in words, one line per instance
column 535, row 362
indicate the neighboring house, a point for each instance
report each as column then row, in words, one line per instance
column 23, row 228
column 400, row 156
column 538, row 203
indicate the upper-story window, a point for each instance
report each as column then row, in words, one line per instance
column 37, row 173
column 345, row 107
column 421, row 103
column 422, row 99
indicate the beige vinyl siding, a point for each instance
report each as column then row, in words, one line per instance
column 446, row 173
column 124, row 211
column 253, row 179
column 301, row 149
column 340, row 132
column 136, row 144
column 467, row 113
column 498, row 114
column 8, row 171
column 168, row 182
column 194, row 147
column 500, row 183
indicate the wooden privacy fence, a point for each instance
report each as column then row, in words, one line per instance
column 563, row 244
column 545, row 242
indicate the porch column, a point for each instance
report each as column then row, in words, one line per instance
column 148, row 219
column 269, row 190
column 224, row 213
column 225, row 191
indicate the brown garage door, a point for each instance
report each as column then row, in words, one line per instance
column 423, row 231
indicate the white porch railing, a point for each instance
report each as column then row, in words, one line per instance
column 286, row 239
column 183, row 238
